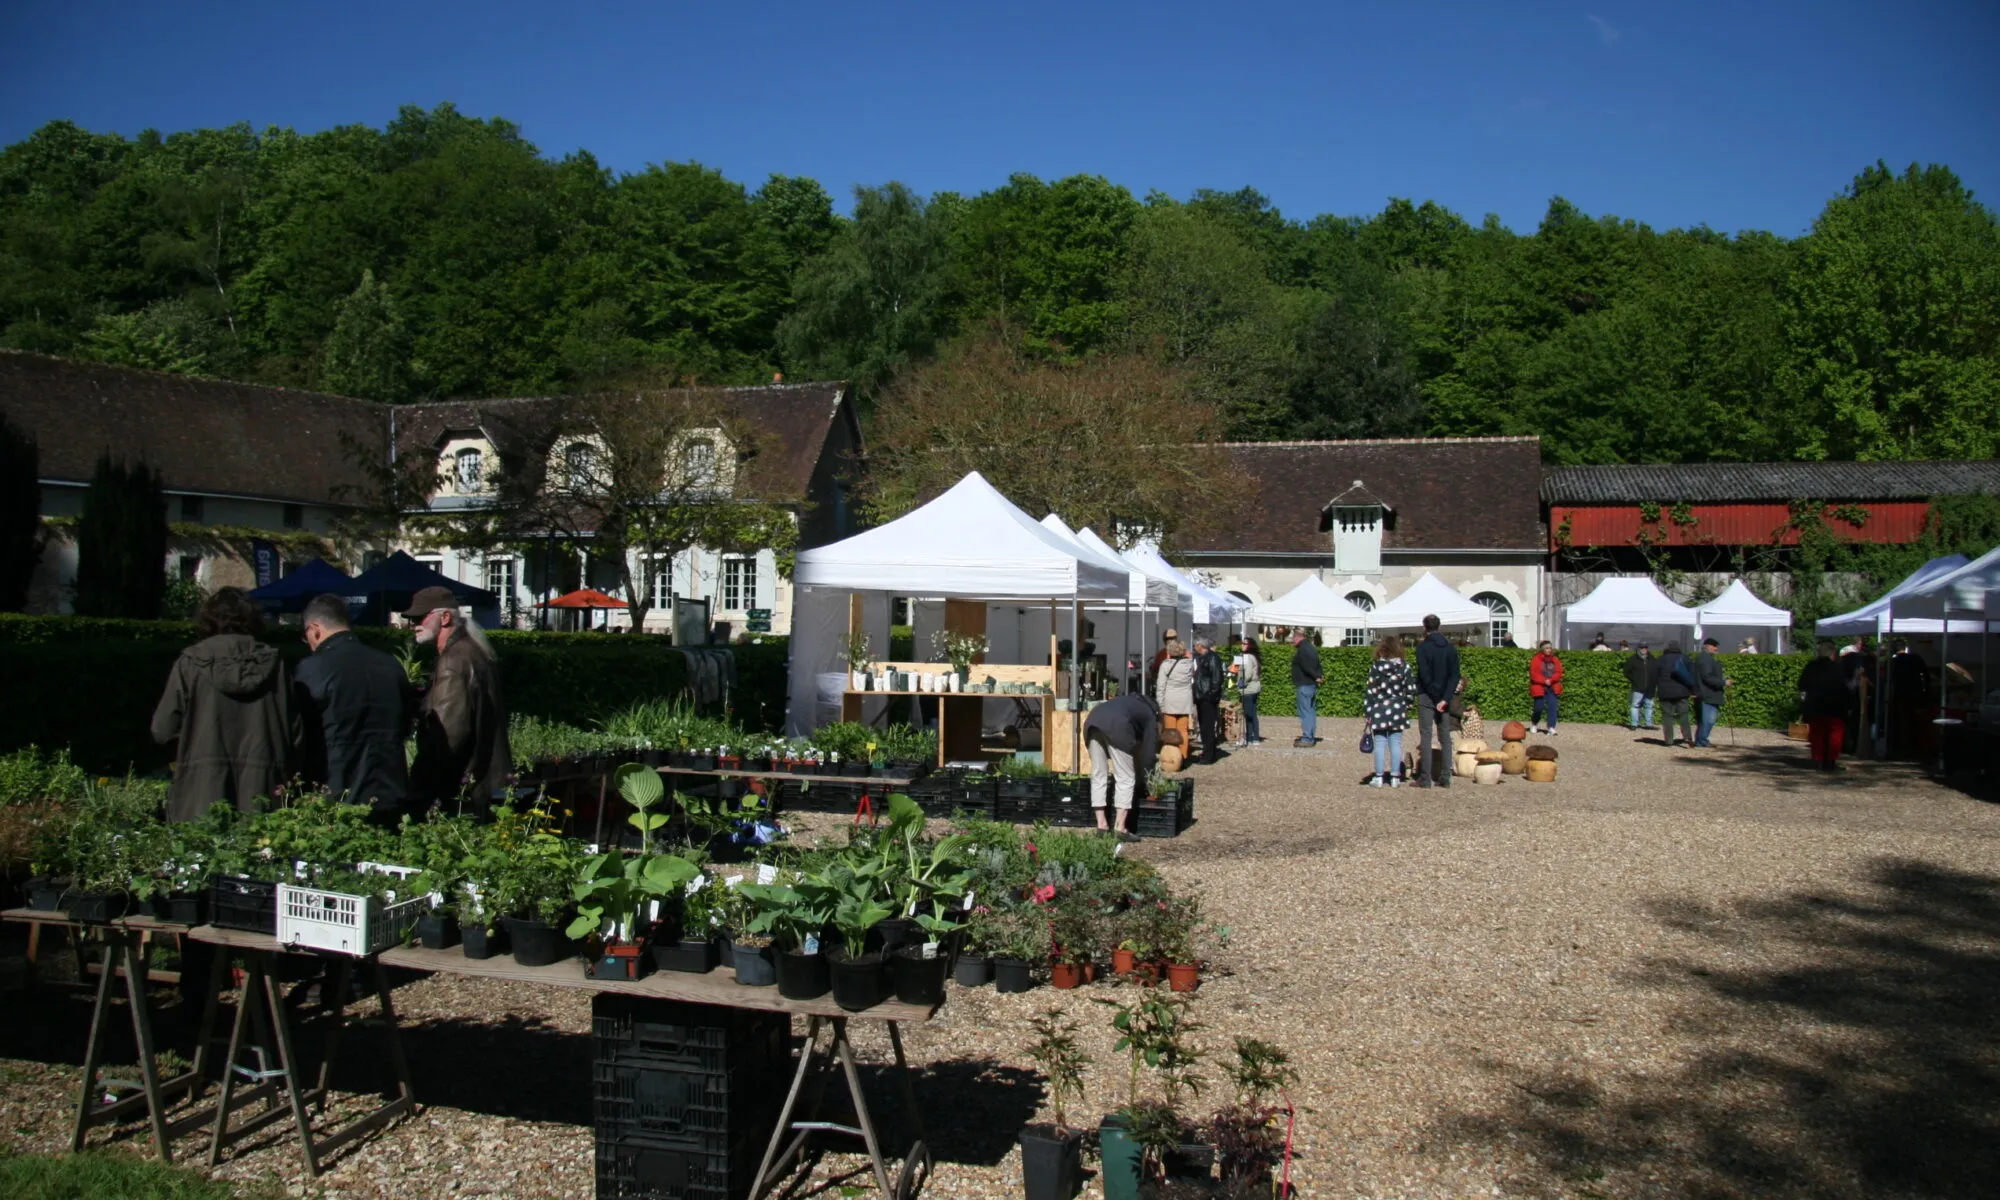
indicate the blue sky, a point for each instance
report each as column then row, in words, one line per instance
column 1744, row 115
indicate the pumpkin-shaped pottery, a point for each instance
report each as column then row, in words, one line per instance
column 1541, row 770
column 1516, row 760
column 1486, row 773
column 1541, row 754
column 1514, row 731
column 1463, row 762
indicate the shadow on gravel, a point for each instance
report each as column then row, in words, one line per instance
column 1787, row 768
column 1875, row 1071
column 972, row 1107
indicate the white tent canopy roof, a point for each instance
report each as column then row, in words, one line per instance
column 1147, row 590
column 1737, row 605
column 1962, row 592
column 1137, row 582
column 1872, row 617
column 1313, row 604
column 1208, row 604
column 1429, row 596
column 1626, row 600
column 969, row 542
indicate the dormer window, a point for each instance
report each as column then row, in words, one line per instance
column 698, row 463
column 1356, row 519
column 469, row 471
column 579, row 467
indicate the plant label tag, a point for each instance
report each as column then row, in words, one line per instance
column 767, row 874
column 696, row 884
column 930, row 949
column 812, row 943
column 968, row 899
column 592, row 849
column 731, row 880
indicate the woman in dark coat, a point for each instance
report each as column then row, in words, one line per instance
column 228, row 708
column 1823, row 700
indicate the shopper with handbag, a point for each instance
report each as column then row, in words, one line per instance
column 1385, row 709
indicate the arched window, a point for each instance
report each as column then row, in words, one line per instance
column 1500, row 617
column 1358, row 636
column 469, row 470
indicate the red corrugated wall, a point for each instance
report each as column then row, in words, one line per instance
column 1895, row 522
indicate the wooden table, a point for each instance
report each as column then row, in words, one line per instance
column 125, row 942
column 719, row 987
column 261, row 1013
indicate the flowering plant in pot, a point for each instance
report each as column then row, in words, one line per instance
column 1052, row 1154
column 1073, row 921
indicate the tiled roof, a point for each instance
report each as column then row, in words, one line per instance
column 794, row 417
column 204, row 435
column 1442, row 493
column 1725, row 483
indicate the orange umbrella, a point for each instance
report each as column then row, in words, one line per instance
column 584, row 598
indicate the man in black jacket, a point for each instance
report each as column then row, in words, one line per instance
column 1437, row 683
column 1306, row 674
column 1209, row 678
column 1711, row 687
column 1123, row 735
column 1676, row 684
column 1642, row 676
column 358, row 704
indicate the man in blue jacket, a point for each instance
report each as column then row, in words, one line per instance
column 1437, row 683
column 1306, row 674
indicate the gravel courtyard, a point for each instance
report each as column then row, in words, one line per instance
column 1670, row 973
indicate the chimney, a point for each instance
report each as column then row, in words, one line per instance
column 777, row 377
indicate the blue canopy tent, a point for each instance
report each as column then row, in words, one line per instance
column 289, row 595
column 389, row 585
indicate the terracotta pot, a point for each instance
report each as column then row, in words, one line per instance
column 1486, row 773
column 1066, row 975
column 1183, row 977
column 1514, row 731
column 1123, row 962
column 1541, row 770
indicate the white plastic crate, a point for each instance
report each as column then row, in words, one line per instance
column 342, row 923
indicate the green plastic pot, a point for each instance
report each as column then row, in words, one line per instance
column 1120, row 1156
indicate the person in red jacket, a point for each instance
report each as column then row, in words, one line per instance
column 1545, row 685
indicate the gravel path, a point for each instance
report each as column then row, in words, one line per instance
column 1670, row 973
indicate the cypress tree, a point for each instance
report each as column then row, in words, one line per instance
column 20, row 514
column 121, row 564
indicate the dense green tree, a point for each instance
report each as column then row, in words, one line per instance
column 1045, row 257
column 1893, row 314
column 121, row 542
column 368, row 353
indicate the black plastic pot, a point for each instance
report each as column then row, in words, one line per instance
column 180, row 908
column 972, row 970
column 536, row 943
column 803, row 976
column 1051, row 1162
column 1013, row 975
column 691, row 956
column 858, row 983
column 916, row 979
column 45, row 894
column 436, row 931
column 893, row 933
column 478, row 942
column 96, row 906
column 701, row 762
column 756, row 966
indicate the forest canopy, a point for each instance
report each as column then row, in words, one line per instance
column 444, row 256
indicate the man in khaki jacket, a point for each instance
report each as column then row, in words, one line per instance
column 462, row 727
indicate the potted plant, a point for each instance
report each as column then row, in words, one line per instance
column 974, row 965
column 1022, row 946
column 920, row 966
column 1158, row 1031
column 856, row 655
column 688, row 941
column 1181, row 936
column 1245, row 1132
column 858, row 906
column 1072, row 937
column 793, row 918
column 1052, row 1155
column 478, row 930
column 959, row 649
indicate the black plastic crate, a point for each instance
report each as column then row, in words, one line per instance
column 706, row 1037
column 1019, row 801
column 1155, row 822
column 646, row 1099
column 248, row 904
column 667, row 1168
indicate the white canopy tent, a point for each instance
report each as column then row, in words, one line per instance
column 1429, row 596
column 1737, row 613
column 1311, row 604
column 1960, row 593
column 1206, row 605
column 969, row 543
column 1873, row 619
column 1628, row 607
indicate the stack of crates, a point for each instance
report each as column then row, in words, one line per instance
column 1165, row 817
column 686, row 1096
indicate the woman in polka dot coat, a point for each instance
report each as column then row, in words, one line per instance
column 1386, row 708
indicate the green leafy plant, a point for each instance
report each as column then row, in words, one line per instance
column 1056, row 1051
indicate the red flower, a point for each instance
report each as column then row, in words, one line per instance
column 1045, row 893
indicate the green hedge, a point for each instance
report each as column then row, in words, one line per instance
column 91, row 684
column 1594, row 690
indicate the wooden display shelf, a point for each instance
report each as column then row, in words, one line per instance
column 716, row 987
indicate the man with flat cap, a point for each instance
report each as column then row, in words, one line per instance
column 462, row 728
